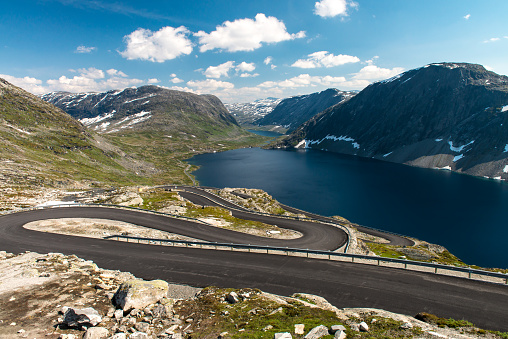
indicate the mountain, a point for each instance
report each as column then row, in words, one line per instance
column 247, row 113
column 42, row 145
column 444, row 115
column 292, row 112
column 146, row 108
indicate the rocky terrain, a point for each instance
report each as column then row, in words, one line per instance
column 58, row 296
column 447, row 116
column 247, row 113
column 292, row 112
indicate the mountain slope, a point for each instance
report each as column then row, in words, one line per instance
column 247, row 113
column 294, row 111
column 447, row 115
column 42, row 145
column 146, row 108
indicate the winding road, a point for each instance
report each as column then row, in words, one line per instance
column 343, row 284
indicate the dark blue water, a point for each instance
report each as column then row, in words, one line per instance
column 467, row 215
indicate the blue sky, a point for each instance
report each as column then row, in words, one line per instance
column 241, row 50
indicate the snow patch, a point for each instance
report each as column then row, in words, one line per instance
column 438, row 140
column 505, row 148
column 18, row 129
column 99, row 118
column 148, row 96
column 504, row 108
column 334, row 138
column 458, row 157
column 387, row 154
column 446, row 168
column 302, row 143
column 505, row 170
column 460, row 148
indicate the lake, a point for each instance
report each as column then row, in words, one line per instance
column 467, row 215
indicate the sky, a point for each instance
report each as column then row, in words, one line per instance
column 239, row 50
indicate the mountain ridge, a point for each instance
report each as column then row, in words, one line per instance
column 443, row 115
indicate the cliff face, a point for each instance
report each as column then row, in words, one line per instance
column 447, row 115
column 292, row 112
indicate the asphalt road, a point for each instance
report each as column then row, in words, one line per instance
column 343, row 284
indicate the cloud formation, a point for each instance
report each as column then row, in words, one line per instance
column 332, row 8
column 218, row 71
column 165, row 44
column 324, row 59
column 209, row 85
column 373, row 72
column 245, row 34
column 467, row 16
column 84, row 49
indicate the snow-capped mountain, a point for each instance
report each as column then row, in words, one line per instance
column 445, row 115
column 292, row 112
column 146, row 108
column 247, row 113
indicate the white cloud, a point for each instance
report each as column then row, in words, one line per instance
column 245, row 67
column 371, row 61
column 273, row 67
column 245, row 34
column 248, row 75
column 176, row 80
column 209, row 85
column 324, row 59
column 491, row 40
column 372, row 72
column 114, row 72
column 467, row 16
column 92, row 73
column 84, row 49
column 153, row 81
column 304, row 80
column 220, row 70
column 268, row 60
column 29, row 84
column 165, row 44
column 332, row 8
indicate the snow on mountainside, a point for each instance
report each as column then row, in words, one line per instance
column 146, row 108
column 294, row 111
column 247, row 113
column 447, row 116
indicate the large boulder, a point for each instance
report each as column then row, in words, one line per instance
column 139, row 294
column 76, row 317
column 317, row 332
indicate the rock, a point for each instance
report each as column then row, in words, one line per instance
column 75, row 317
column 406, row 326
column 232, row 298
column 139, row 294
column 118, row 314
column 317, row 332
column 363, row 327
column 283, row 335
column 119, row 336
column 142, row 327
column 336, row 328
column 340, row 334
column 177, row 336
column 267, row 328
column 96, row 333
column 159, row 311
column 67, row 336
column 279, row 310
column 299, row 328
column 171, row 329
column 222, row 335
column 138, row 335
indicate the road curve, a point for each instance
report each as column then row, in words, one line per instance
column 343, row 284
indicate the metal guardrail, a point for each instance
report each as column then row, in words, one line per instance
column 437, row 268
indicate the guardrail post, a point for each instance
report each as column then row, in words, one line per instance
column 435, row 271
column 405, row 265
column 469, row 274
column 378, row 262
column 352, row 259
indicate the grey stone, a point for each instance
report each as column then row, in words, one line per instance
column 142, row 327
column 119, row 336
column 177, row 336
column 406, row 326
column 232, row 298
column 75, row 317
column 139, row 294
column 159, row 311
column 138, row 335
column 363, row 327
column 283, row 335
column 335, row 328
column 118, row 314
column 96, row 333
column 317, row 332
column 340, row 334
